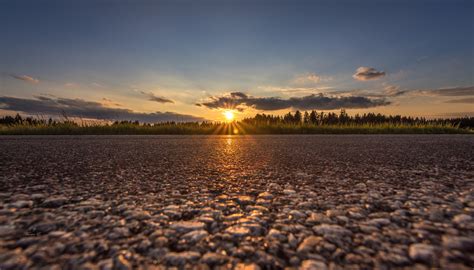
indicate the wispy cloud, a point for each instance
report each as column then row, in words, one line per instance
column 307, row 78
column 367, row 73
column 110, row 103
column 153, row 97
column 391, row 89
column 395, row 91
column 71, row 84
column 462, row 100
column 294, row 90
column 85, row 109
column 453, row 91
column 240, row 101
column 95, row 84
column 388, row 91
column 25, row 78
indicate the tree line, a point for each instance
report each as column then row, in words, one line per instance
column 343, row 118
column 296, row 118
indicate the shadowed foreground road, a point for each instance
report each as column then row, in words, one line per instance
column 249, row 202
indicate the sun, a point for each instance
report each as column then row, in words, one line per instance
column 229, row 115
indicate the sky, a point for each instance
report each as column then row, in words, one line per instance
column 192, row 60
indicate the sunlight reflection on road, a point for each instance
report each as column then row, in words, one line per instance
column 230, row 156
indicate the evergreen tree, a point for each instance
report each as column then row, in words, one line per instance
column 306, row 118
column 288, row 118
column 313, row 117
column 297, row 118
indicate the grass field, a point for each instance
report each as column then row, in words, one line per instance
column 235, row 128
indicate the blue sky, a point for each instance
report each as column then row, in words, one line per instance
column 120, row 53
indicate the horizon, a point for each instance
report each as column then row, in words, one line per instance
column 199, row 61
column 228, row 118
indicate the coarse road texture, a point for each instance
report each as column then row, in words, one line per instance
column 244, row 202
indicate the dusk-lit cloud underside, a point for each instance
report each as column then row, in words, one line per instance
column 80, row 108
column 239, row 101
column 153, row 97
column 25, row 78
column 367, row 74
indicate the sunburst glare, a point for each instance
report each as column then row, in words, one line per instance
column 229, row 116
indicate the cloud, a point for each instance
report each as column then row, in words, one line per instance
column 25, row 78
column 86, row 109
column 97, row 85
column 390, row 91
column 454, row 91
column 367, row 73
column 307, row 78
column 240, row 101
column 153, row 97
column 461, row 100
column 110, row 103
column 293, row 90
column 71, row 84
column 394, row 91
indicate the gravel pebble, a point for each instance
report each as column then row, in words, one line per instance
column 186, row 226
column 313, row 265
column 180, row 258
column 55, row 201
column 422, row 253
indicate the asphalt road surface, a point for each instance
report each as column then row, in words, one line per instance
column 244, row 202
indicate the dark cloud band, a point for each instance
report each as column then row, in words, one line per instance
column 239, row 100
column 86, row 109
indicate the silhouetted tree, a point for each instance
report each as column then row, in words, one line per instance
column 288, row 118
column 297, row 118
column 313, row 118
column 306, row 118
